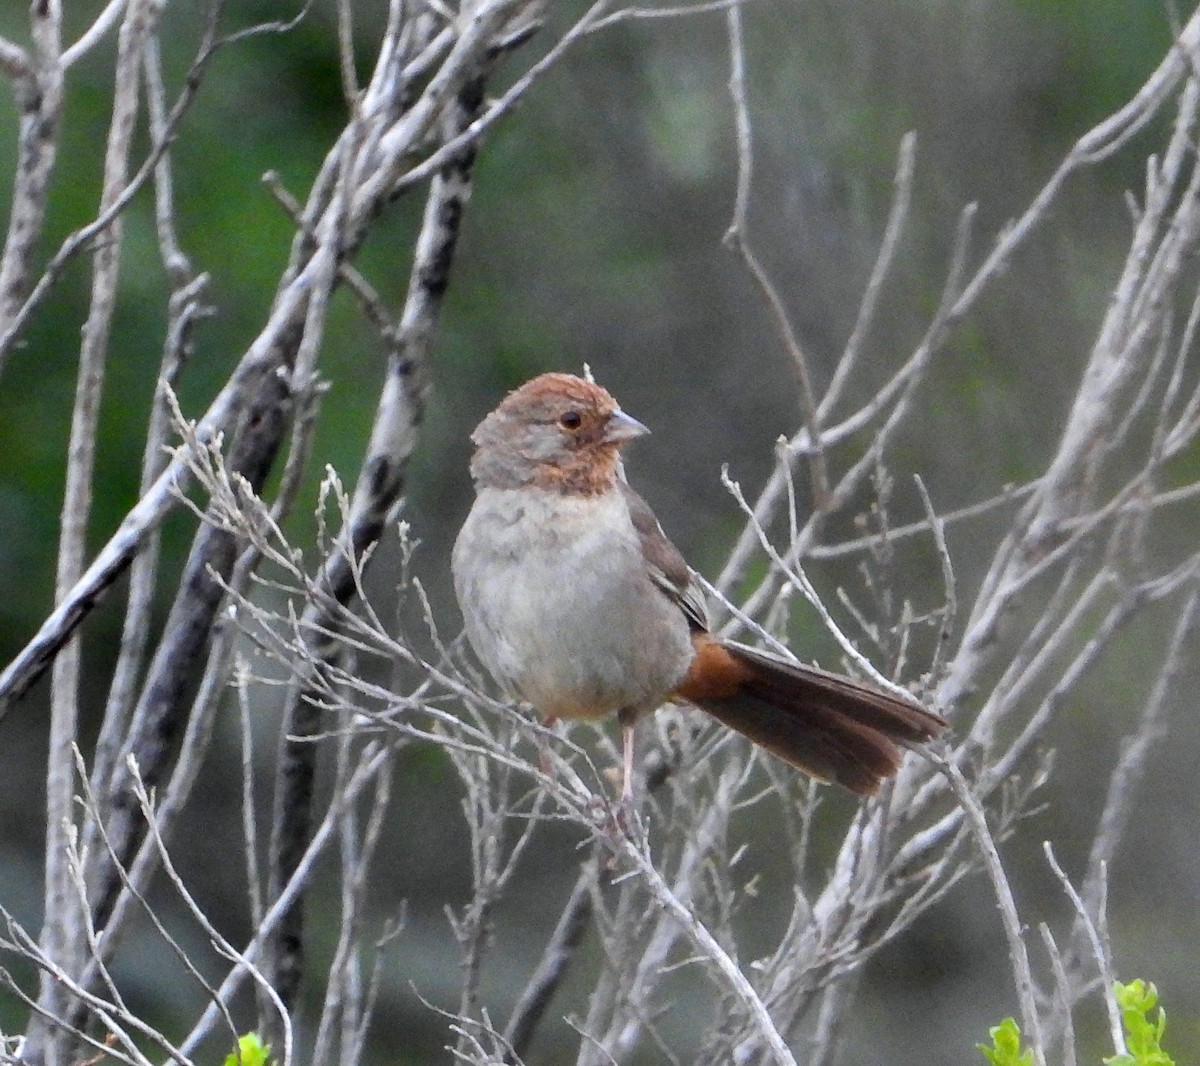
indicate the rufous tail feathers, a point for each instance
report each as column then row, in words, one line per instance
column 829, row 726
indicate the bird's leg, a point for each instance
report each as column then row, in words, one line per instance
column 627, row 716
column 544, row 763
column 627, row 756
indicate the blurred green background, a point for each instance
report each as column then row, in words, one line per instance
column 594, row 236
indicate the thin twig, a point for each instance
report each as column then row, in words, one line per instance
column 737, row 237
column 1017, row 952
column 1100, row 949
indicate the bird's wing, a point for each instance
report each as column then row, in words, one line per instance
column 667, row 567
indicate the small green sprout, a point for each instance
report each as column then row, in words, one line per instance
column 1143, row 1032
column 251, row 1051
column 1006, row 1046
column 1143, row 1035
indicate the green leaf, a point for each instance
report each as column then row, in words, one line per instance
column 1006, row 1046
column 1143, row 1034
column 252, row 1050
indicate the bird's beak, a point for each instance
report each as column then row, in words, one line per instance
column 622, row 427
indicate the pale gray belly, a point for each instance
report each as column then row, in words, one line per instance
column 569, row 621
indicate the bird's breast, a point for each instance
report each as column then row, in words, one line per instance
column 559, row 606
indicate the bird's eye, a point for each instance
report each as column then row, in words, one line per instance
column 571, row 420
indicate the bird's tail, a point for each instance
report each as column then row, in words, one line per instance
column 829, row 726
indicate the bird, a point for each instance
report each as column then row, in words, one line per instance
column 577, row 603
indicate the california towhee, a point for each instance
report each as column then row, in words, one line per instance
column 576, row 602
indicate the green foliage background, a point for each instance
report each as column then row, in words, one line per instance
column 595, row 236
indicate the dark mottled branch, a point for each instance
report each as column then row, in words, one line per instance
column 572, row 924
column 381, row 482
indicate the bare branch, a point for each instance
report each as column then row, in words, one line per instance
column 1018, row 953
column 625, row 14
column 14, row 61
column 92, row 36
column 737, row 237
